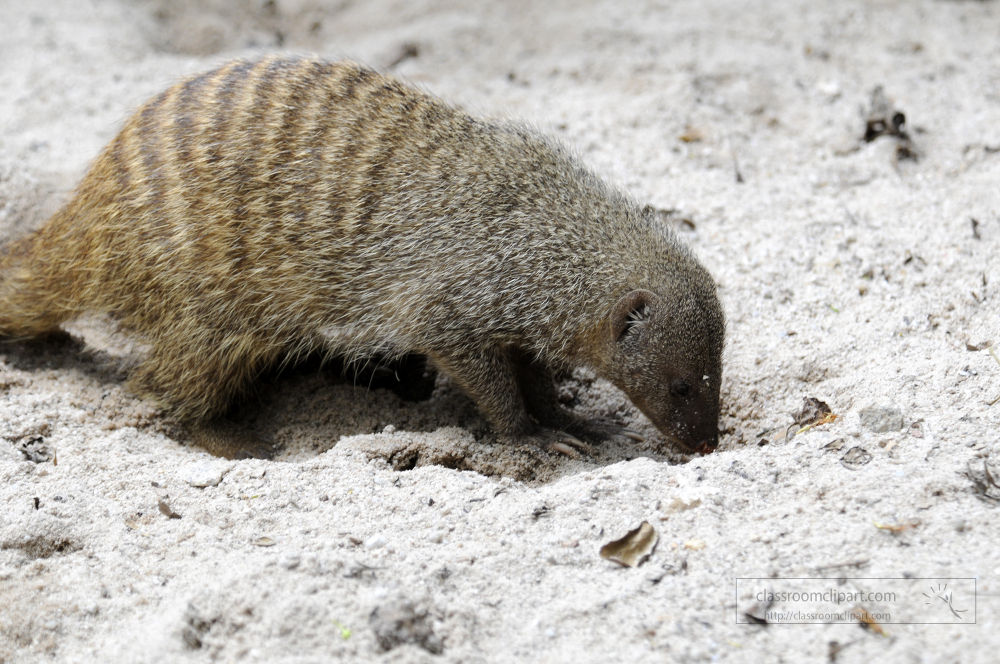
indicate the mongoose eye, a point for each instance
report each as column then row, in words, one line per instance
column 680, row 387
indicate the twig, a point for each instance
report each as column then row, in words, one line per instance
column 994, row 355
column 861, row 562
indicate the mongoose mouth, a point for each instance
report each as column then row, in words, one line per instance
column 674, row 429
column 704, row 447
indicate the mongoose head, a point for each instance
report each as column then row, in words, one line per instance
column 666, row 355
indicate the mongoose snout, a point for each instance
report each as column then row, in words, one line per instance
column 274, row 208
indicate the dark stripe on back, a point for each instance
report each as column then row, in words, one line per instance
column 289, row 173
column 148, row 136
column 342, row 97
column 357, row 78
column 189, row 100
column 221, row 122
column 247, row 165
column 237, row 143
column 119, row 162
column 386, row 144
column 308, row 153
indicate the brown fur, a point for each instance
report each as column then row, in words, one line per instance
column 273, row 208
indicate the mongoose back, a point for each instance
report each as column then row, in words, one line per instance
column 277, row 207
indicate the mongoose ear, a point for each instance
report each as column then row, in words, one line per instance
column 631, row 313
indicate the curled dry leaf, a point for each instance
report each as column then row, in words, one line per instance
column 632, row 549
column 167, row 511
column 834, row 445
column 813, row 413
column 757, row 614
column 855, row 458
column 985, row 485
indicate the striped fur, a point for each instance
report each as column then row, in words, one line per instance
column 276, row 207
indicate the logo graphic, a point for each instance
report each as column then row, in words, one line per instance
column 943, row 595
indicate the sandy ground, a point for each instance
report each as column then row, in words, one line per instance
column 863, row 274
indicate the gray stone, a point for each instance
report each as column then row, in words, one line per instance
column 881, row 419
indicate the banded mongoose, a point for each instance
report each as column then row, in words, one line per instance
column 278, row 207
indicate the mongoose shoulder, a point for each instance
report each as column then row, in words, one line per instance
column 283, row 206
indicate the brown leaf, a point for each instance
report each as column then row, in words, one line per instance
column 632, row 549
column 166, row 510
column 866, row 620
column 814, row 412
column 855, row 458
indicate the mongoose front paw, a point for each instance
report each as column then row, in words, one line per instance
column 552, row 441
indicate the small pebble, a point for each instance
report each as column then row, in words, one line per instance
column 202, row 474
column 882, row 419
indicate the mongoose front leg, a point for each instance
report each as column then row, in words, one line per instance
column 488, row 376
column 542, row 400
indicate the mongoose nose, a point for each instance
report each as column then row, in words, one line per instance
column 708, row 445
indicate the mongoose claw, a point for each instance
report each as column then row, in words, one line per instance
column 547, row 441
column 561, row 442
column 563, row 448
column 634, row 435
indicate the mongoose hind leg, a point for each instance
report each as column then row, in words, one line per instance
column 538, row 387
column 223, row 438
column 201, row 379
column 488, row 376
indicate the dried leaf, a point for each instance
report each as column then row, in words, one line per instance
column 757, row 614
column 896, row 527
column 692, row 135
column 855, row 458
column 834, row 445
column 632, row 549
column 814, row 413
column 984, row 484
column 989, row 477
column 166, row 511
column 35, row 449
column 866, row 620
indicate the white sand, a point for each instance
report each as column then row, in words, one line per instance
column 497, row 554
